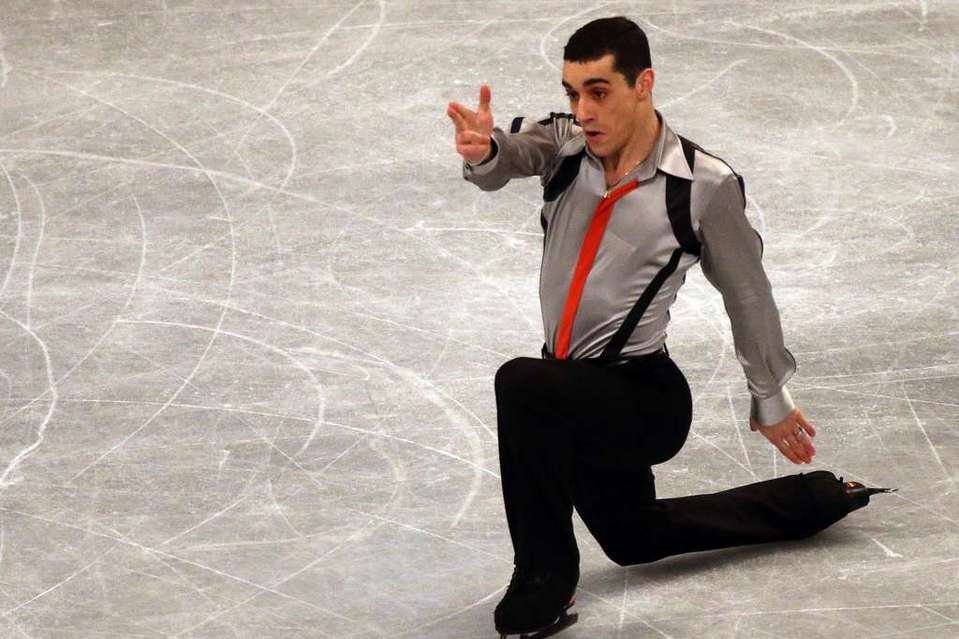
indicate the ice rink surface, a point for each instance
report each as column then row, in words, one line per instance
column 250, row 314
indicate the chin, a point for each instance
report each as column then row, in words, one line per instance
column 598, row 150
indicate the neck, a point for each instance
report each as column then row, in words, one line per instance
column 637, row 148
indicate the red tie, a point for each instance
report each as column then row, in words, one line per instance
column 587, row 253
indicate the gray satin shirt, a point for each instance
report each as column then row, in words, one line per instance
column 637, row 243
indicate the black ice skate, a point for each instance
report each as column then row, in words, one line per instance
column 536, row 603
column 859, row 494
column 856, row 494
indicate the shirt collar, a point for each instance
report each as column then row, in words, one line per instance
column 672, row 160
column 667, row 155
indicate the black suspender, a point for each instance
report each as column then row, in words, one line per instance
column 615, row 345
column 677, row 207
column 677, row 203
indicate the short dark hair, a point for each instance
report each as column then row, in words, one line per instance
column 620, row 36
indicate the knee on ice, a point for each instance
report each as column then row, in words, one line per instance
column 630, row 556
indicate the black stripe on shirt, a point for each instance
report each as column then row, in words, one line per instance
column 739, row 178
column 554, row 116
column 618, row 340
column 677, row 203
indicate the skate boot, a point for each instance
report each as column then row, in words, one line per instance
column 859, row 494
column 536, row 603
column 849, row 496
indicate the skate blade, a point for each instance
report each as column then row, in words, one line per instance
column 565, row 621
column 555, row 628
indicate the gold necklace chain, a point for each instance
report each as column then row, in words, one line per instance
column 610, row 188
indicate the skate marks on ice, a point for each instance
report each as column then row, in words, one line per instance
column 251, row 313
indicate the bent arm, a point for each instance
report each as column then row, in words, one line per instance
column 527, row 151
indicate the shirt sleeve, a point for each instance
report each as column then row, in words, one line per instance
column 528, row 150
column 732, row 262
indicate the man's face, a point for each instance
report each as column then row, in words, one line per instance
column 603, row 102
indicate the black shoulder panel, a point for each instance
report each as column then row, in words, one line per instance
column 563, row 177
column 739, row 178
column 677, row 203
column 554, row 116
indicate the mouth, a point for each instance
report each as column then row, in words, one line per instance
column 593, row 135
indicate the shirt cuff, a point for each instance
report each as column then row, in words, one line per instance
column 486, row 165
column 771, row 410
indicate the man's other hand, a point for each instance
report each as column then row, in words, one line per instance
column 797, row 448
column 473, row 128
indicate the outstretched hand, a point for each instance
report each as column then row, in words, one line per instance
column 473, row 128
column 792, row 436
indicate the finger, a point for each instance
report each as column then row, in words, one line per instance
column 466, row 113
column 472, row 137
column 805, row 440
column 795, row 457
column 788, row 454
column 808, row 426
column 457, row 119
column 455, row 114
column 797, row 443
column 485, row 95
column 791, row 441
column 796, row 446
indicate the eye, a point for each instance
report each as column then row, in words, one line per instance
column 599, row 95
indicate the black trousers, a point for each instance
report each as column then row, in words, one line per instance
column 577, row 434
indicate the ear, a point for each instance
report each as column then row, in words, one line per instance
column 644, row 83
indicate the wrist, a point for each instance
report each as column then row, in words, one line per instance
column 490, row 152
column 771, row 410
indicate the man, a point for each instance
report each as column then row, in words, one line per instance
column 629, row 207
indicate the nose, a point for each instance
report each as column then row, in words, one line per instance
column 582, row 112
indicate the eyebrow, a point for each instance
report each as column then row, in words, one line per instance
column 588, row 82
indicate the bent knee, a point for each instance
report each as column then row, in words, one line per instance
column 638, row 548
column 630, row 556
column 513, row 374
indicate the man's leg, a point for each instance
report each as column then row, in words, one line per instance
column 619, row 506
column 633, row 529
column 548, row 413
column 535, row 454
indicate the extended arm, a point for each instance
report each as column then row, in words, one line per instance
column 491, row 156
column 524, row 153
column 732, row 262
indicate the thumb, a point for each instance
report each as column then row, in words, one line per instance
column 485, row 95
